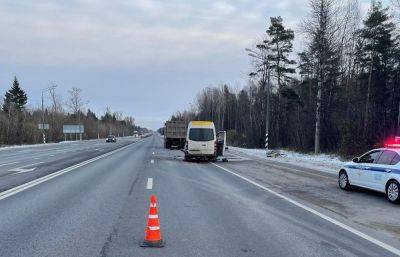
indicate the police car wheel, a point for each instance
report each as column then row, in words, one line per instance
column 392, row 191
column 344, row 181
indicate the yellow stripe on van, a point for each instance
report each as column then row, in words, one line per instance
column 201, row 123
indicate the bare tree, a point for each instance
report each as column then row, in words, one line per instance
column 56, row 117
column 75, row 102
column 56, row 101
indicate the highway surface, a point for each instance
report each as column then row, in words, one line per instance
column 19, row 165
column 97, row 206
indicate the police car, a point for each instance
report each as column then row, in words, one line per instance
column 378, row 170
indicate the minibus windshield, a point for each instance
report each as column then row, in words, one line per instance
column 201, row 134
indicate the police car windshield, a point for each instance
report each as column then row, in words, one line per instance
column 201, row 134
column 370, row 157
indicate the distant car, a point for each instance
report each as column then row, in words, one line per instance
column 378, row 170
column 111, row 139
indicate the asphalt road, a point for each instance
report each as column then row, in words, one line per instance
column 99, row 209
column 363, row 209
column 19, row 165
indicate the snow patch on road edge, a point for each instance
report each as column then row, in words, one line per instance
column 322, row 162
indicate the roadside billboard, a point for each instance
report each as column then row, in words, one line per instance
column 73, row 129
column 43, row 126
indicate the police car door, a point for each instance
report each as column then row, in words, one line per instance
column 381, row 173
column 365, row 168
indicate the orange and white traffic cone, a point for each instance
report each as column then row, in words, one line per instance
column 152, row 231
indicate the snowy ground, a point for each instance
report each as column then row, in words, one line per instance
column 323, row 162
column 8, row 147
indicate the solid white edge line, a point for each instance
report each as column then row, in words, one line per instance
column 149, row 184
column 23, row 187
column 323, row 216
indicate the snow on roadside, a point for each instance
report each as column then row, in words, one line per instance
column 9, row 147
column 322, row 162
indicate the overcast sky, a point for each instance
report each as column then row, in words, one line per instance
column 146, row 59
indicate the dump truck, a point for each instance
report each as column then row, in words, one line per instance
column 175, row 134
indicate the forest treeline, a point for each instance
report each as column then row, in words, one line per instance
column 341, row 93
column 19, row 124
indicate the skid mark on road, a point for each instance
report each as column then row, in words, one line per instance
column 106, row 245
column 133, row 184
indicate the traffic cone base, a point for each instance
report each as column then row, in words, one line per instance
column 158, row 244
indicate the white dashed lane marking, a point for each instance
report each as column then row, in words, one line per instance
column 149, row 184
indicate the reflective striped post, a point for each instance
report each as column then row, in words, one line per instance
column 267, row 114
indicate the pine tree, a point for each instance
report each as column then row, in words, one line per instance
column 377, row 52
column 91, row 115
column 280, row 43
column 16, row 97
